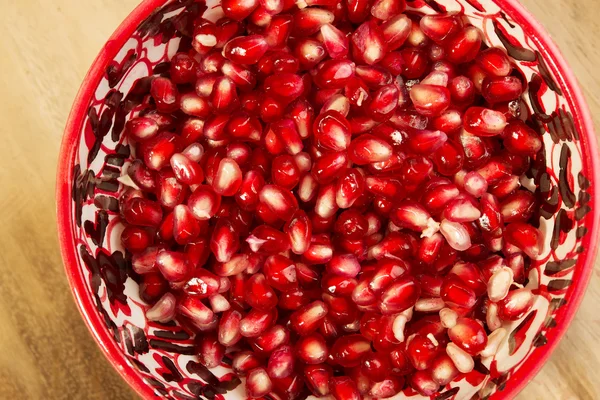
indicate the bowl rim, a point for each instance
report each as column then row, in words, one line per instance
column 87, row 309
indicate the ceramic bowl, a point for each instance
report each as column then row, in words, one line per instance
column 158, row 359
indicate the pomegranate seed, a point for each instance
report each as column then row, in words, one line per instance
column 271, row 339
column 258, row 383
column 440, row 27
column 484, row 122
column 299, row 232
column 525, row 237
column 367, row 149
column 423, row 383
column 462, row 210
column 347, row 351
column 421, row 351
column 448, row 317
column 308, row 21
column 494, row 341
column 245, row 49
column 312, row 349
column 399, row 296
column 317, row 378
column 193, row 308
column 165, row 95
column 462, row 360
column 344, row 388
column 464, row 46
column 281, row 362
column 163, row 310
column 500, row 90
column 243, row 362
column 521, row 140
column 457, row 294
column 369, row 42
column 256, row 322
column 142, row 128
column 494, row 61
column 279, row 200
column 306, row 319
column 516, row 304
column 210, row 351
column 468, row 335
column 335, row 41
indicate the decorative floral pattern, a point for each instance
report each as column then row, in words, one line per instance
column 163, row 354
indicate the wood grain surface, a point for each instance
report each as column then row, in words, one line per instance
column 46, row 351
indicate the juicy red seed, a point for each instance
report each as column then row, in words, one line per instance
column 469, row 335
column 499, row 90
column 347, row 351
column 521, row 140
column 317, row 378
column 376, row 366
column 245, row 49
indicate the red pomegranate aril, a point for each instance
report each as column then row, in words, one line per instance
column 224, row 242
column 351, row 224
column 387, row 388
column 256, row 322
column 520, row 139
column 136, row 239
column 448, row 159
column 163, row 310
column 516, row 304
column 344, row 388
column 416, row 62
column 348, row 351
column 312, row 349
column 243, row 78
column 317, row 378
column 144, row 262
column 301, row 112
column 349, row 187
column 306, row 320
column 229, row 328
column 210, row 351
column 456, row 235
column 440, row 27
column 423, row 383
column 278, row 31
column 484, row 122
column 299, row 232
column 367, row 149
column 376, row 366
column 157, row 151
column 280, row 272
column 399, row 296
column 245, row 49
column 142, row 212
column 383, row 102
column 285, row 172
column 281, row 362
column 457, row 294
column 494, row 62
column 258, row 383
column 279, row 200
column 228, row 178
column 469, row 335
column 518, row 206
column 204, row 202
column 258, row 293
column 308, row 21
column 224, row 95
column 421, row 351
column 284, row 85
column 464, row 46
column 430, row 100
column 395, row 31
column 244, row 361
column 335, row 41
column 142, row 128
column 271, row 339
column 238, row 10
column 332, row 131
column 165, row 95
column 185, row 226
column 192, row 307
column 265, row 239
column 369, row 42
column 500, row 90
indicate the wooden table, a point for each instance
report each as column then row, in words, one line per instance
column 46, row 351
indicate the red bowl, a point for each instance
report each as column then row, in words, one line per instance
column 148, row 356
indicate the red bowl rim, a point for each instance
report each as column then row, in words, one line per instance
column 114, row 354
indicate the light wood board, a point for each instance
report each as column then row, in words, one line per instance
column 46, row 351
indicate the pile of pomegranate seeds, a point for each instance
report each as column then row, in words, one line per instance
column 329, row 193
